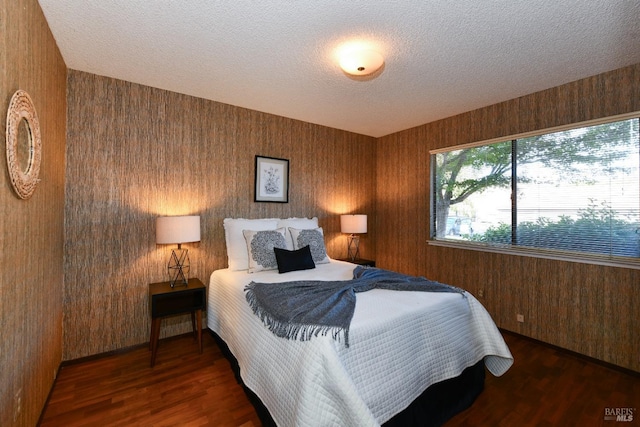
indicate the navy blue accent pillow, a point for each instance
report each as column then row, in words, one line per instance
column 300, row 259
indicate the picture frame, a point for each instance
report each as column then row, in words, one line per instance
column 271, row 180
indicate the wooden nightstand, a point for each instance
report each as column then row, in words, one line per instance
column 359, row 261
column 167, row 301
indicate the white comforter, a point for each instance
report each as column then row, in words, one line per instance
column 400, row 343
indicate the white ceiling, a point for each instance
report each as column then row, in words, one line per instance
column 442, row 57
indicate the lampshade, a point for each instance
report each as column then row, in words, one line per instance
column 353, row 224
column 177, row 229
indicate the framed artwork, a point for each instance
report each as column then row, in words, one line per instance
column 272, row 180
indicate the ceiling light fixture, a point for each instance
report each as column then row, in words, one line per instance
column 361, row 62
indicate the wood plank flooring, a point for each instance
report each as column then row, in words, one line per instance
column 545, row 387
column 184, row 388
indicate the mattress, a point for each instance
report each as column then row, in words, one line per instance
column 400, row 343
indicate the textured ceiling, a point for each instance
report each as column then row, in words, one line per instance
column 442, row 57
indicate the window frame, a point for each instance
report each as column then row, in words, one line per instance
column 510, row 249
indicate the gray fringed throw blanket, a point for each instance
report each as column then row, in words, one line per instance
column 303, row 309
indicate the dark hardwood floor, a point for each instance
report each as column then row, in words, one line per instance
column 545, row 387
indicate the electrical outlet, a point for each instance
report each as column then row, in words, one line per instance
column 480, row 293
column 520, row 318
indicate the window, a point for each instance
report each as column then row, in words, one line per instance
column 574, row 191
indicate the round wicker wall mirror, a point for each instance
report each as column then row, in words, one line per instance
column 24, row 146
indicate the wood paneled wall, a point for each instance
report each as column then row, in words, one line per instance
column 31, row 231
column 135, row 153
column 585, row 308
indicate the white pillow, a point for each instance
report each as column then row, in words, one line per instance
column 237, row 254
column 314, row 238
column 260, row 246
column 299, row 223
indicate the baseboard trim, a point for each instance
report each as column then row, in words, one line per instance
column 577, row 355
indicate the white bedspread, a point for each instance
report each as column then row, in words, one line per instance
column 400, row 343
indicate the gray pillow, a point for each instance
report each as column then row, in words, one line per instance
column 260, row 245
column 314, row 238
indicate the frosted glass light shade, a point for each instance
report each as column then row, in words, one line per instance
column 361, row 62
column 353, row 224
column 177, row 229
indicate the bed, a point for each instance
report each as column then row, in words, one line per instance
column 403, row 346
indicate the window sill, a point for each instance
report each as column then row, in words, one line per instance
column 537, row 253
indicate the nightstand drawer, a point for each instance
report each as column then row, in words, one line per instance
column 166, row 301
column 178, row 302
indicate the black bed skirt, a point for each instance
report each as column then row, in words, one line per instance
column 432, row 408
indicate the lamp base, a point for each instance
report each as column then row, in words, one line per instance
column 353, row 247
column 178, row 268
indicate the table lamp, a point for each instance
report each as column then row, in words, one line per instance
column 178, row 230
column 353, row 225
